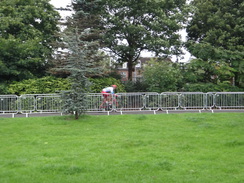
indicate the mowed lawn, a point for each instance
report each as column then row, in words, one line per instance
column 189, row 148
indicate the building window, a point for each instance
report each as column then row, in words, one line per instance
column 138, row 65
column 123, row 74
column 124, row 66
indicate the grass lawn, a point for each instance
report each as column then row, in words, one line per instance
column 189, row 148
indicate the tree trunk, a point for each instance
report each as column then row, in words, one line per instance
column 76, row 115
column 130, row 70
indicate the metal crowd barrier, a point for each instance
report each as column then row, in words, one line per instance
column 8, row 103
column 27, row 103
column 170, row 100
column 229, row 100
column 96, row 102
column 129, row 101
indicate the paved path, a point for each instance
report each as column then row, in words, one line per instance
column 124, row 112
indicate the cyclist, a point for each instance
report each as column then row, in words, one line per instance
column 107, row 94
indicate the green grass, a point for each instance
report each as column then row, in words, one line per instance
column 181, row 148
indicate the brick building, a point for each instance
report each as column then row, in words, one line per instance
column 138, row 70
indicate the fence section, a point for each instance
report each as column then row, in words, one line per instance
column 170, row 100
column 229, row 100
column 193, row 100
column 8, row 103
column 27, row 103
column 48, row 103
column 128, row 101
column 152, row 101
column 96, row 102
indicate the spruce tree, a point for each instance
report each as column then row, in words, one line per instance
column 83, row 44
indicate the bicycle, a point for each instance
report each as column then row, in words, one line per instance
column 109, row 101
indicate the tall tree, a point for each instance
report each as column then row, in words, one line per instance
column 78, row 64
column 27, row 30
column 133, row 26
column 85, row 19
column 83, row 43
column 216, row 31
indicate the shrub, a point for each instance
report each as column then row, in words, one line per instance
column 210, row 87
column 162, row 76
column 48, row 84
column 138, row 86
column 3, row 89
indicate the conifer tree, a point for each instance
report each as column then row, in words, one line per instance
column 82, row 41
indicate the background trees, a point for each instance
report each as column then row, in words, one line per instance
column 215, row 34
column 132, row 26
column 27, row 30
column 162, row 76
column 206, row 76
column 28, row 33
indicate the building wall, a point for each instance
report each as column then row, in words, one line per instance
column 137, row 74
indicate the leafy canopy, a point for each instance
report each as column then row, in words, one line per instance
column 133, row 26
column 162, row 76
column 215, row 32
column 27, row 30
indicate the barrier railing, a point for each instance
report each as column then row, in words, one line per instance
column 96, row 102
column 128, row 101
column 8, row 103
column 27, row 103
column 152, row 101
column 193, row 100
column 170, row 100
column 226, row 100
column 48, row 103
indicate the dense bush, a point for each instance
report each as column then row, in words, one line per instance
column 3, row 89
column 210, row 87
column 138, row 86
column 45, row 85
column 162, row 76
column 51, row 84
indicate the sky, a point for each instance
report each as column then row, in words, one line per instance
column 61, row 4
column 64, row 3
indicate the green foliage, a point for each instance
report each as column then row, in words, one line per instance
column 210, row 87
column 210, row 71
column 75, row 99
column 4, row 89
column 27, row 31
column 215, row 32
column 43, row 85
column 162, row 76
column 138, row 86
column 133, row 26
column 206, row 76
column 114, row 74
column 99, row 83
